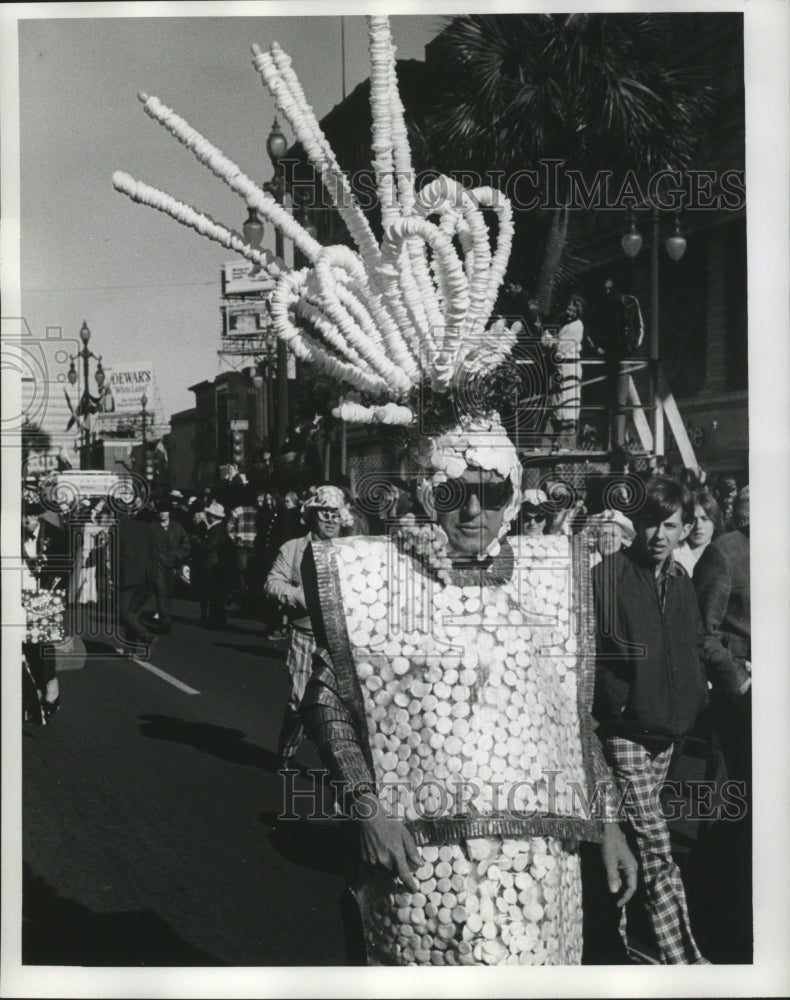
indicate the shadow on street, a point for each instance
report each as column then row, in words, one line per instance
column 328, row 846
column 269, row 652
column 220, row 741
column 58, row 931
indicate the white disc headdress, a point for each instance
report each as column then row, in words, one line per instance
column 392, row 319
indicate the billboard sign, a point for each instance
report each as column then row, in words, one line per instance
column 237, row 279
column 128, row 384
column 245, row 319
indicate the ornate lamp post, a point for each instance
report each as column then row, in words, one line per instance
column 631, row 242
column 276, row 147
column 87, row 404
column 148, row 469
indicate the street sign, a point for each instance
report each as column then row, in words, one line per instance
column 239, row 425
column 245, row 319
column 238, row 279
column 81, row 482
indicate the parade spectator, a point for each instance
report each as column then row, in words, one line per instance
column 171, row 547
column 290, row 524
column 722, row 584
column 324, row 513
column 650, row 689
column 179, row 509
column 213, row 563
column 87, row 556
column 615, row 332
column 46, row 565
column 708, row 524
column 726, row 496
column 242, row 531
column 567, row 344
column 531, row 518
column 45, row 548
column 359, row 522
column 137, row 574
column 272, row 529
column 612, row 531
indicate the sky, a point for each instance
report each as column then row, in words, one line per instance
column 149, row 289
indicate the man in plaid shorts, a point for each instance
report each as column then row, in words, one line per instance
column 323, row 513
column 650, row 689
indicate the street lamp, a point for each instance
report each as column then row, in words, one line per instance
column 260, row 402
column 144, row 404
column 147, row 467
column 87, row 404
column 676, row 243
column 276, row 147
column 631, row 242
column 253, row 228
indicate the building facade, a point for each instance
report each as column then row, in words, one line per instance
column 701, row 299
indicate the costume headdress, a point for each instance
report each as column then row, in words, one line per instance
column 398, row 317
column 328, row 496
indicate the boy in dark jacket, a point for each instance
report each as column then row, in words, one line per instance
column 650, row 688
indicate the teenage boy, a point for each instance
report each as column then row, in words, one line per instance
column 650, row 688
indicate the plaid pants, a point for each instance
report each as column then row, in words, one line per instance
column 300, row 665
column 638, row 774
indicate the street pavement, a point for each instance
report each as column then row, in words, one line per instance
column 150, row 831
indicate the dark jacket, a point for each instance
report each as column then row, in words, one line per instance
column 213, row 560
column 616, row 326
column 650, row 685
column 54, row 556
column 722, row 583
column 136, row 558
column 170, row 545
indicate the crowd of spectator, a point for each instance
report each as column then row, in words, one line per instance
column 679, row 559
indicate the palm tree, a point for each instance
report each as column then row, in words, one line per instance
column 593, row 91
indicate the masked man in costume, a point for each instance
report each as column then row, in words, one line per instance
column 453, row 675
column 450, row 703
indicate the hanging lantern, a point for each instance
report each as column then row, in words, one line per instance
column 631, row 240
column 276, row 144
column 253, row 228
column 676, row 243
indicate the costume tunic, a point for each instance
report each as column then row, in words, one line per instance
column 466, row 704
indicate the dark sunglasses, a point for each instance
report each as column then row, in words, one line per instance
column 490, row 496
column 327, row 514
column 533, row 518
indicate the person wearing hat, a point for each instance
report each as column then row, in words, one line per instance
column 532, row 515
column 445, row 652
column 323, row 512
column 213, row 562
column 170, row 544
column 137, row 571
column 46, row 563
column 243, row 531
column 612, row 531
